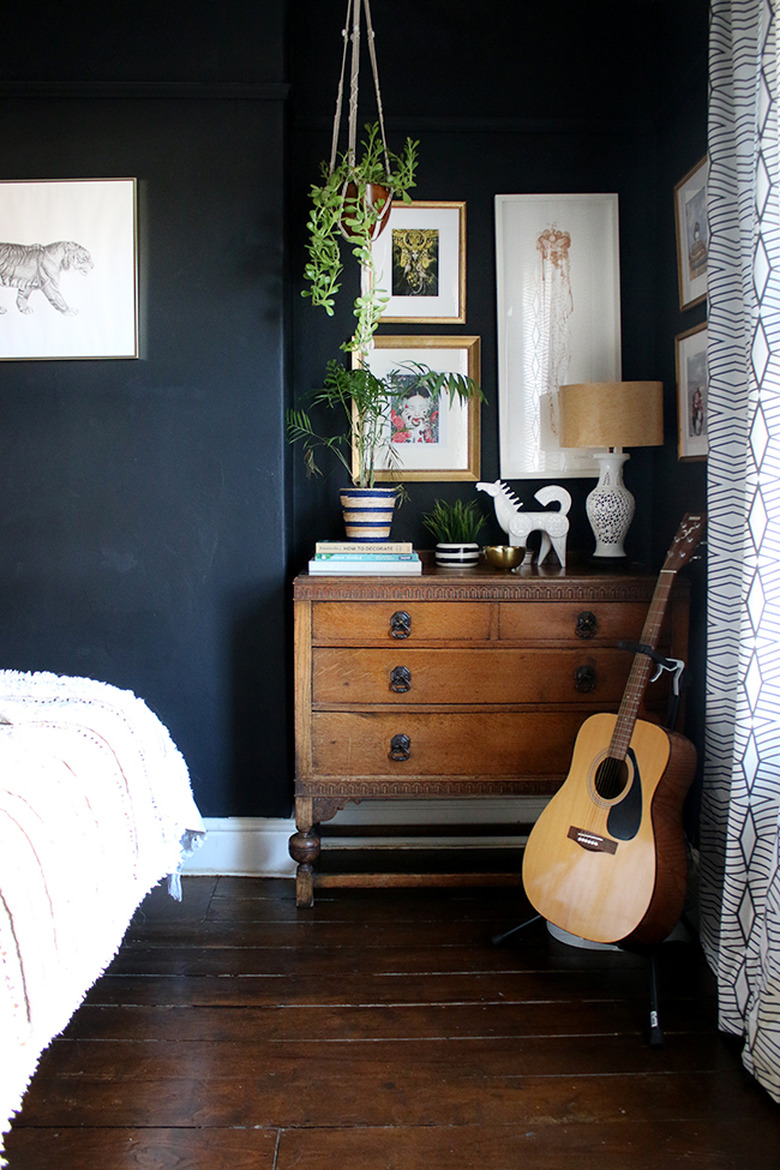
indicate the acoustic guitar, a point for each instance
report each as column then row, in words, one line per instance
column 606, row 859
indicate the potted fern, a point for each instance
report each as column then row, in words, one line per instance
column 456, row 528
column 364, row 443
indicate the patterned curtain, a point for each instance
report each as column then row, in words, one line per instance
column 740, row 880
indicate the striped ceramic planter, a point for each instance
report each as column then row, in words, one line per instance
column 457, row 556
column 368, row 512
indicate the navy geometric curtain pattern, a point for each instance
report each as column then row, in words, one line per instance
column 740, row 830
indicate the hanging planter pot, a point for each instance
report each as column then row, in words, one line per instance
column 457, row 556
column 368, row 512
column 378, row 205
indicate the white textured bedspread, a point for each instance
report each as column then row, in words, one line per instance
column 95, row 808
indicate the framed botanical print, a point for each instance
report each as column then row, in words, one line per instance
column 420, row 262
column 692, row 393
column 690, row 216
column 427, row 439
column 68, row 281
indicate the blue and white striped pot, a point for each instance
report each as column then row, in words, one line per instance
column 368, row 512
column 457, row 556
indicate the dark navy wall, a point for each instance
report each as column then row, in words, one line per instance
column 143, row 515
column 148, row 531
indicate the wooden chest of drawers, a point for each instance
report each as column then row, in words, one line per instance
column 458, row 683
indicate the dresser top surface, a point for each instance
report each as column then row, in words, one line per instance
column 548, row 582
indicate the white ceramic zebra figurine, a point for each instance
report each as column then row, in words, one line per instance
column 518, row 525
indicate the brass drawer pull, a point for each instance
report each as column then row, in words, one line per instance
column 585, row 679
column 401, row 624
column 586, row 624
column 400, row 679
column 400, row 747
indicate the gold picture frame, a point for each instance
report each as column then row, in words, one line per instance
column 690, row 217
column 420, row 262
column 692, row 394
column 443, row 441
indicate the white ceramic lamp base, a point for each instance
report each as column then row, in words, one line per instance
column 610, row 506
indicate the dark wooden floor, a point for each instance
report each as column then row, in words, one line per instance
column 383, row 1029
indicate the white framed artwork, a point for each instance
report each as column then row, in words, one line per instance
column 558, row 299
column 68, row 269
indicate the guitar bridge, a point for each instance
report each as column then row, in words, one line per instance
column 593, row 842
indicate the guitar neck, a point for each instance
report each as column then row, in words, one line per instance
column 641, row 667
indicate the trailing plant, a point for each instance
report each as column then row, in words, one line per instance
column 343, row 210
column 456, row 523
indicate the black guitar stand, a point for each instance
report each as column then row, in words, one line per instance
column 655, row 1030
column 677, row 667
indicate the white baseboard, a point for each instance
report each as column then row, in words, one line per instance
column 257, row 846
column 244, row 847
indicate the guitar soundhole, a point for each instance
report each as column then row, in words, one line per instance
column 611, row 778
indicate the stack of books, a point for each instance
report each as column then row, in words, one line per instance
column 392, row 558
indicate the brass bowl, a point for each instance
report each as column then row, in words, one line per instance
column 504, row 556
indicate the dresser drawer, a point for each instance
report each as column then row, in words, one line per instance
column 578, row 622
column 465, row 744
column 408, row 676
column 347, row 623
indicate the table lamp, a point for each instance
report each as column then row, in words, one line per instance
column 612, row 415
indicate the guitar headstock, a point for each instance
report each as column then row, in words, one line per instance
column 692, row 528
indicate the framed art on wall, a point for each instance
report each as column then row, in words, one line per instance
column 692, row 393
column 558, row 296
column 690, row 217
column 420, row 261
column 431, row 440
column 68, row 283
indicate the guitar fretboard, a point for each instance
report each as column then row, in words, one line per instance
column 641, row 667
column 682, row 548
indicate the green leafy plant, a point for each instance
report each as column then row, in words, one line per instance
column 363, row 401
column 456, row 523
column 345, row 210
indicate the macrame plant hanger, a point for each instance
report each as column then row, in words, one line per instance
column 354, row 10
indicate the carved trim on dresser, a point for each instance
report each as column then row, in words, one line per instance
column 326, row 805
column 424, row 589
column 347, row 789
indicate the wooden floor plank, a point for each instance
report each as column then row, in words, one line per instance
column 604, row 1054
column 330, row 1022
column 354, row 958
column 325, row 1094
column 143, row 1149
column 308, row 987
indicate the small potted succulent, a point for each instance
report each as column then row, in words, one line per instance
column 456, row 528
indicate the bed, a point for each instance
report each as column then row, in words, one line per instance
column 95, row 809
